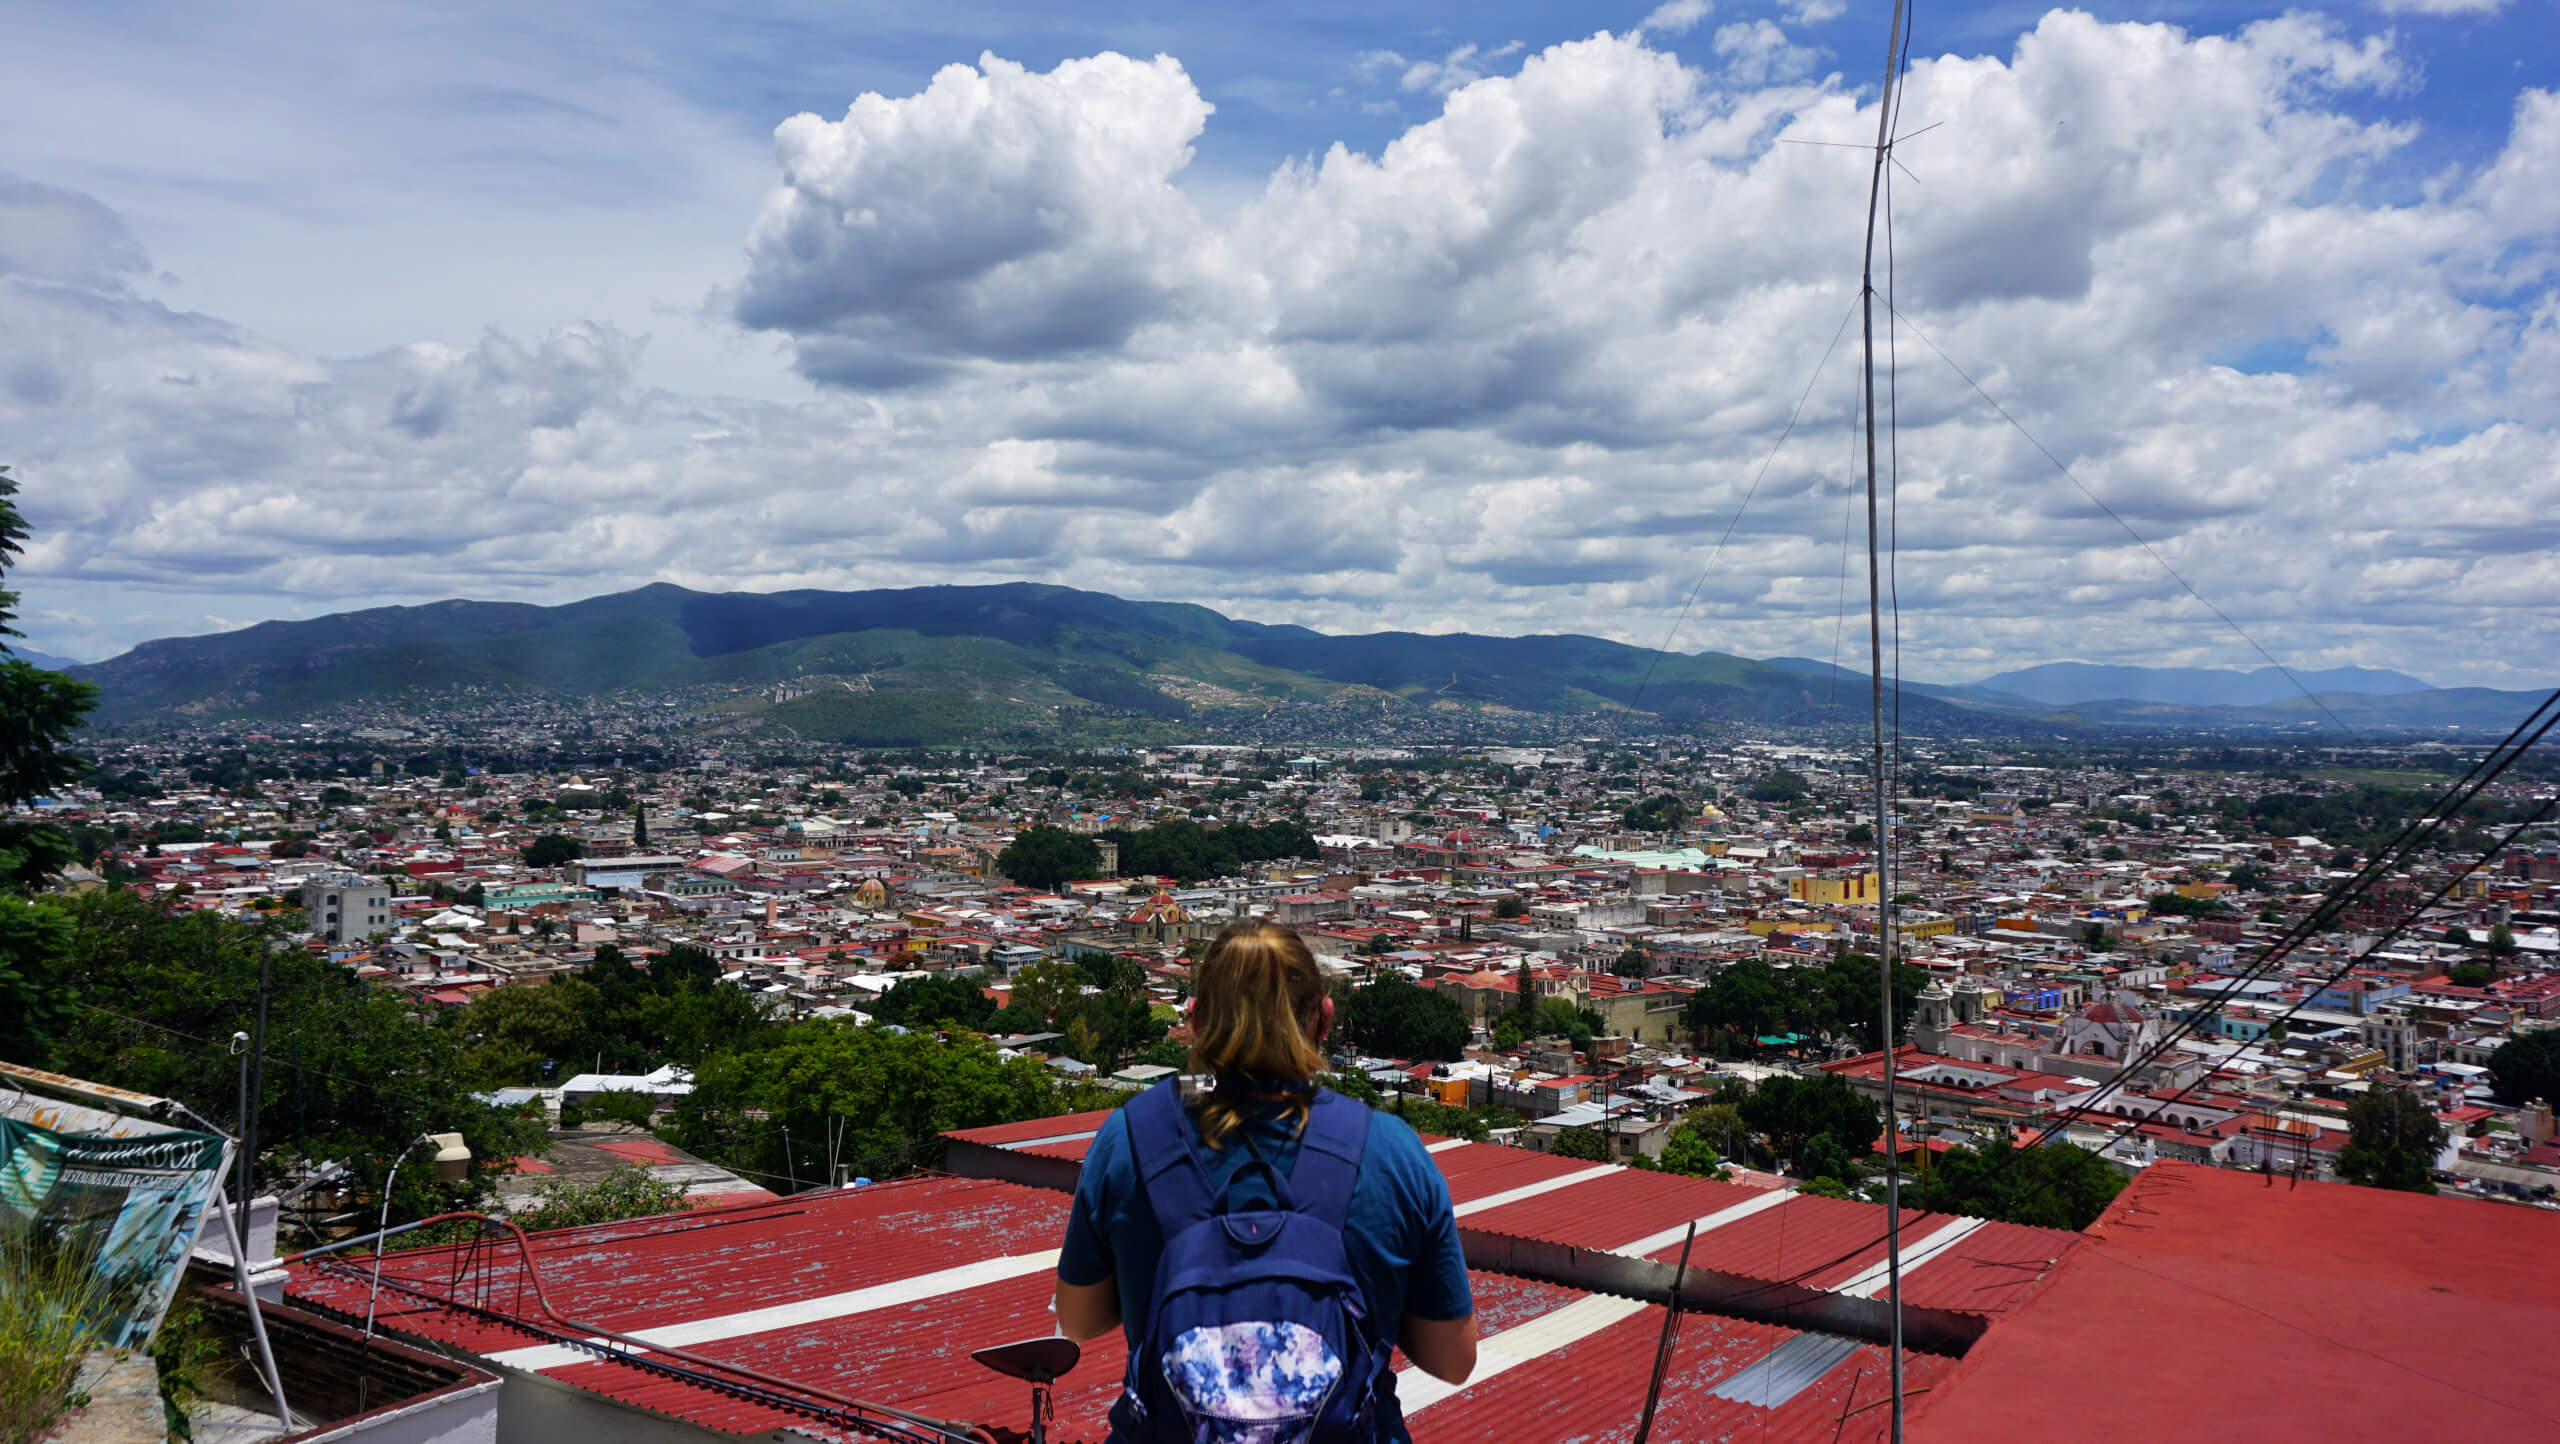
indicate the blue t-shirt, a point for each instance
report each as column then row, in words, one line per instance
column 1400, row 1233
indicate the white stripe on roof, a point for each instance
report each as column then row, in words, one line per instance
column 1716, row 1220
column 1524, row 1344
column 1870, row 1281
column 1052, row 1138
column 1579, row 1320
column 1445, row 1144
column 806, row 1311
column 1532, row 1190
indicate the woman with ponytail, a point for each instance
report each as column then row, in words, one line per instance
column 1259, row 1019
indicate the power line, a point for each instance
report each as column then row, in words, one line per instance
column 2138, row 539
column 2431, row 821
column 1709, row 569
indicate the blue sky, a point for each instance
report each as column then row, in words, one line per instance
column 307, row 307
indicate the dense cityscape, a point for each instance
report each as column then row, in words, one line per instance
column 1693, row 722
column 1673, row 910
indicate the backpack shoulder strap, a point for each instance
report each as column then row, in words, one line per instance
column 1169, row 1173
column 1329, row 1155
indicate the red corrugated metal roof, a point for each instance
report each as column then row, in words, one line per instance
column 2331, row 1312
column 650, row 1273
column 1592, row 1391
column 1480, row 1170
column 1614, row 1210
column 1005, row 1135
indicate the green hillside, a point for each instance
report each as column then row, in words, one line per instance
column 934, row 664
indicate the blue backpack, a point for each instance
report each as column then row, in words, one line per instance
column 1257, row 1333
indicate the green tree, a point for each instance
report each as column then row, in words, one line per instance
column 1355, row 1086
column 2502, row 942
column 1794, row 1111
column 623, row 1193
column 1657, row 814
column 1632, row 963
column 1394, row 1018
column 616, row 1105
column 1703, row 1139
column 1583, row 1143
column 1688, row 1151
column 39, row 712
column 1780, row 785
column 352, row 1073
column 2056, row 1185
column 888, row 1097
column 1744, row 998
column 1472, row 1124
column 2392, row 1140
column 935, row 1000
column 552, row 849
column 1043, row 857
column 1556, row 1016
column 1046, row 996
column 2527, row 1067
column 1859, row 834
column 507, row 1033
column 1509, row 905
column 1825, row 1157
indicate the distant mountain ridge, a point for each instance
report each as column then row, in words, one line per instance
column 1025, row 663
column 46, row 660
column 2153, row 698
column 2063, row 684
column 934, row 664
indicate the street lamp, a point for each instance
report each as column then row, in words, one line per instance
column 452, row 1164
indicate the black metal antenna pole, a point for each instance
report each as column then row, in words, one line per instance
column 1875, row 682
column 254, row 1097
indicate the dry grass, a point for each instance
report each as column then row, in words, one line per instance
column 51, row 1310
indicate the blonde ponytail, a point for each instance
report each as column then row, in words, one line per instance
column 1256, row 997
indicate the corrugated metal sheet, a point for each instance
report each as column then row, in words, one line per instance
column 643, row 1275
column 913, row 1352
column 1592, row 1391
column 1479, row 1170
column 1990, row 1271
column 1829, row 1235
column 1785, row 1371
column 1007, row 1135
column 1614, row 1211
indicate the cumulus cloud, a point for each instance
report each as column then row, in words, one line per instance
column 1000, row 214
column 1513, row 371
column 1678, row 17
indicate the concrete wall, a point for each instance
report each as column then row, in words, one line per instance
column 465, row 1414
column 536, row 1410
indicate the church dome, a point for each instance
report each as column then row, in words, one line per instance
column 1162, row 909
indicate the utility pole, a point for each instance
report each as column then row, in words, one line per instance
column 1875, row 682
column 255, row 1090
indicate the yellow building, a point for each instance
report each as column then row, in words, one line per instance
column 1854, row 887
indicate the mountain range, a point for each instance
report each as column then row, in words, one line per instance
column 46, row 660
column 1030, row 663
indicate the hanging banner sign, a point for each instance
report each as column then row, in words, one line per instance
column 124, row 1209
